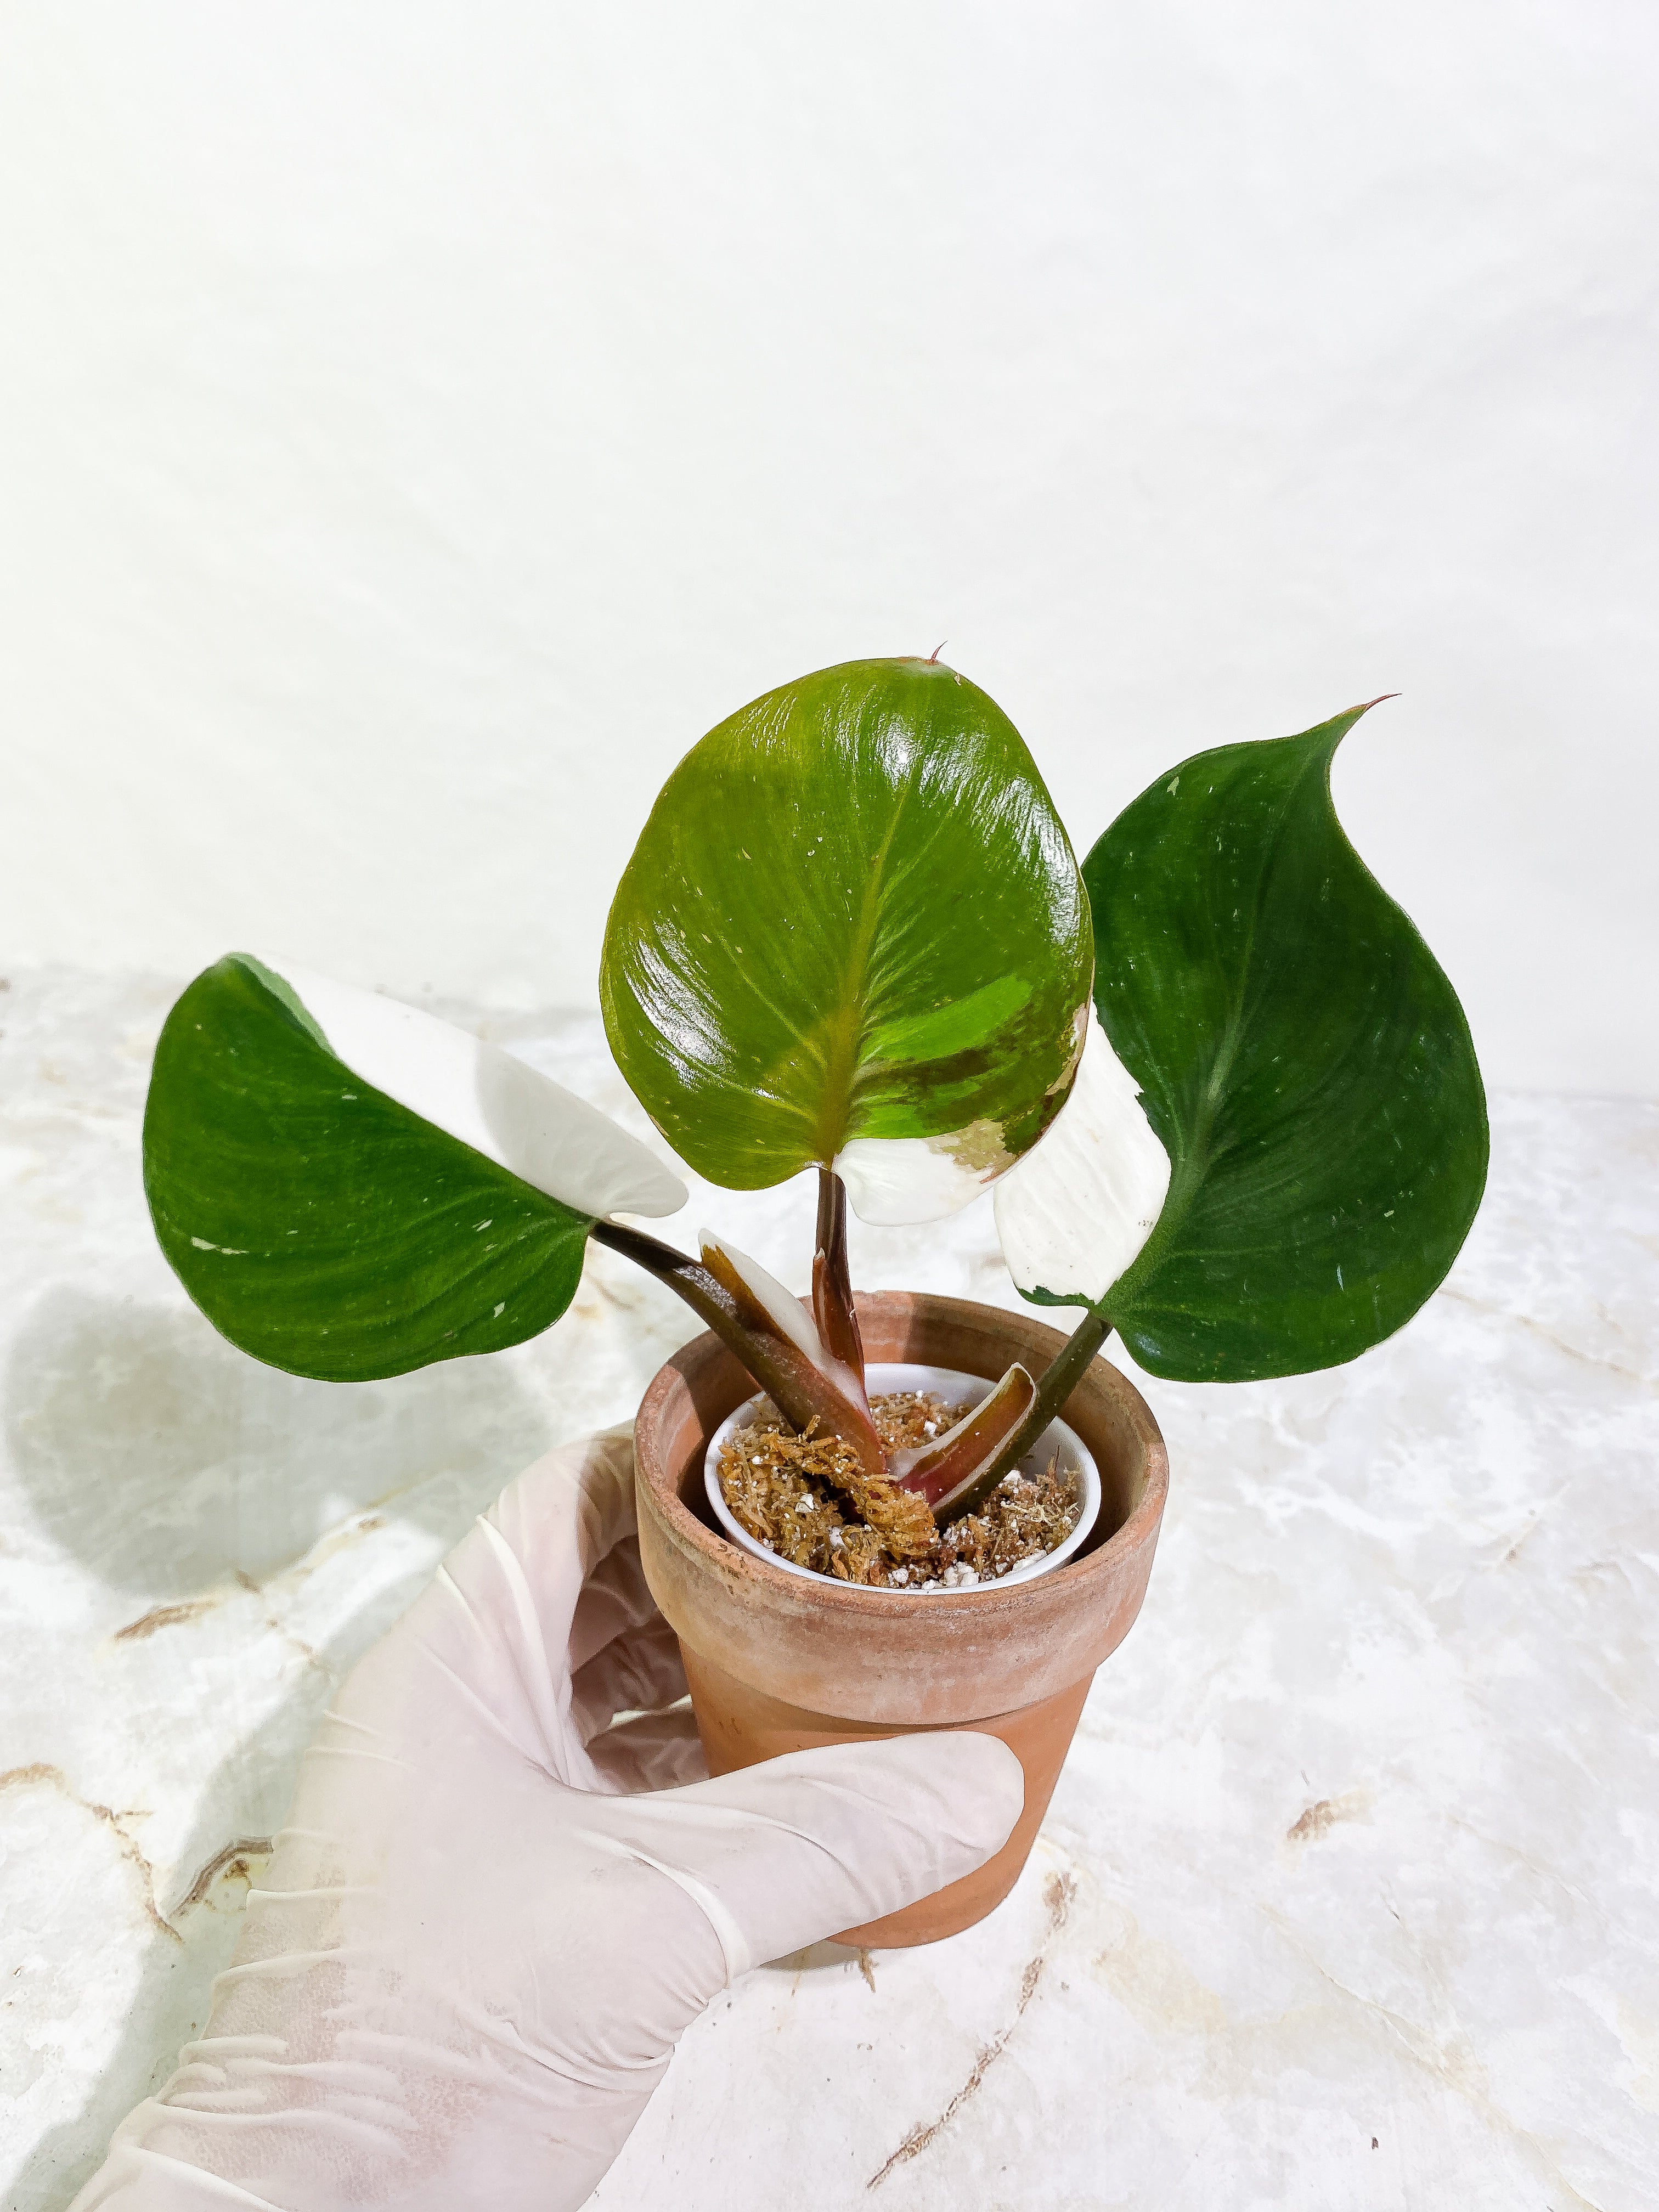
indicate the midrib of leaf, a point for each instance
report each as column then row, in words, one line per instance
column 849, row 1024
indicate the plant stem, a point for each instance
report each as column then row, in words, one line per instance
column 832, row 1280
column 1055, row 1386
column 802, row 1392
column 706, row 1298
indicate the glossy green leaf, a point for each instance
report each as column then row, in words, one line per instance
column 852, row 932
column 326, row 1227
column 1302, row 1058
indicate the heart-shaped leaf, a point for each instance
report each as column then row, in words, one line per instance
column 350, row 1188
column 1303, row 1061
column 852, row 933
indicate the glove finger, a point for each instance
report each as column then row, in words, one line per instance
column 653, row 1751
column 639, row 1672
column 781, row 1855
column 615, row 1598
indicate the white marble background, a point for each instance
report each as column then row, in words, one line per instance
column 1349, row 1896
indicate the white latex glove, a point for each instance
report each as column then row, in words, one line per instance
column 491, row 1914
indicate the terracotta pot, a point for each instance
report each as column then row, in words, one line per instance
column 781, row 1662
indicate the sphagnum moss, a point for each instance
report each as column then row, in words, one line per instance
column 810, row 1499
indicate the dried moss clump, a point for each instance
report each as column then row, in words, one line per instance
column 808, row 1499
column 786, row 1490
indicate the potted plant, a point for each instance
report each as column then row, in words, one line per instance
column 1227, row 1098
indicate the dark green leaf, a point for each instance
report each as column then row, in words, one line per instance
column 1303, row 1059
column 320, row 1224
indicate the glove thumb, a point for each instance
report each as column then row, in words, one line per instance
column 781, row 1855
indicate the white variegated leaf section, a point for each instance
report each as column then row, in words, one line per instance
column 1077, row 1209
column 481, row 1096
column 892, row 1181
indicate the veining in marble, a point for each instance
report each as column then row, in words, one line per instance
column 1349, row 1896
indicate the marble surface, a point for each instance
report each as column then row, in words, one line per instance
column 1349, row 1896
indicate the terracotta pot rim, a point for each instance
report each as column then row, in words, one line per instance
column 850, row 1603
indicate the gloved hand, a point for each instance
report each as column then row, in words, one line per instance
column 492, row 1913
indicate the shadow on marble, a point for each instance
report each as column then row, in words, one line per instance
column 168, row 1463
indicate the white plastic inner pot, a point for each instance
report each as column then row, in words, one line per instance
column 1056, row 1442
